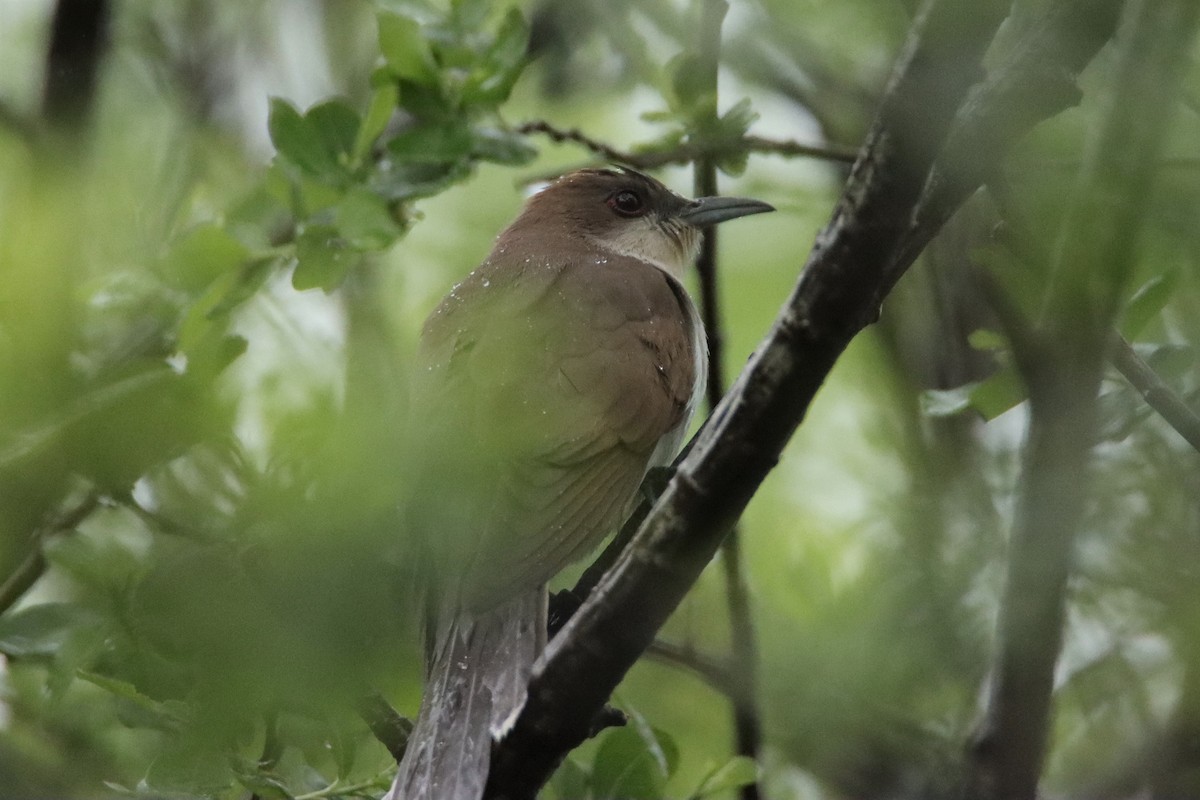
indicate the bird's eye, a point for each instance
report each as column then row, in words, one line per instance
column 627, row 203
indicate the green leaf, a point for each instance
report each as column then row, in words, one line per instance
column 502, row 147
column 1119, row 411
column 999, row 393
column 433, row 143
column 337, row 126
column 383, row 104
column 502, row 64
column 693, row 97
column 189, row 769
column 570, row 781
column 469, row 15
column 201, row 255
column 987, row 341
column 633, row 764
column 323, row 257
column 146, row 711
column 298, row 140
column 990, row 398
column 365, row 222
column 735, row 122
column 1147, row 303
column 735, row 773
column 405, row 48
column 41, row 631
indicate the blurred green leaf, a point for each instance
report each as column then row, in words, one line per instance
column 432, row 143
column 41, row 631
column 570, row 781
column 299, row 140
column 1147, row 303
column 384, row 99
column 502, row 147
column 337, row 126
column 1120, row 410
column 990, row 398
column 469, row 15
column 735, row 773
column 633, row 762
column 405, row 48
column 502, row 64
column 364, row 220
column 169, row 715
column 999, row 393
column 187, row 768
column 201, row 255
column 987, row 341
column 322, row 258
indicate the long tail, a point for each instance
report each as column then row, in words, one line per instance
column 477, row 676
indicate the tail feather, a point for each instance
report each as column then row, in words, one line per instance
column 477, row 676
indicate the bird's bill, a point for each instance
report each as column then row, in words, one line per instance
column 706, row 211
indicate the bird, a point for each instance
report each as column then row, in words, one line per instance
column 547, row 383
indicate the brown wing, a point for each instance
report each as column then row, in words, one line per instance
column 547, row 389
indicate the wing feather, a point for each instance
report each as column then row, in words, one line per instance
column 542, row 393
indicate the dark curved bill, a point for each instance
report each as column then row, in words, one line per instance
column 711, row 210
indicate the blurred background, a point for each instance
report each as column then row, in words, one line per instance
column 215, row 258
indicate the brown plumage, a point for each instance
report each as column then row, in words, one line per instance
column 549, row 381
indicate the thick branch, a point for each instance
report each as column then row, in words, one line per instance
column 1094, row 263
column 838, row 294
column 78, row 37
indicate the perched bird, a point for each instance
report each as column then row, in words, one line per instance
column 548, row 382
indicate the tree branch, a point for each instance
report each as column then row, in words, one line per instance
column 1157, row 394
column 78, row 38
column 713, row 672
column 690, row 151
column 1094, row 263
column 838, row 294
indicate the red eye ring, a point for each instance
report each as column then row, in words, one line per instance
column 627, row 203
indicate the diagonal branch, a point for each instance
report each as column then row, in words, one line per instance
column 1155, row 391
column 838, row 294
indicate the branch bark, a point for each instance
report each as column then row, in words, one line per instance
column 78, row 38
column 1155, row 391
column 838, row 294
column 1063, row 379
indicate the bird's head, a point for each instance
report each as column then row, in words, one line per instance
column 625, row 212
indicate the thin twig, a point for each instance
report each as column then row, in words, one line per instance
column 689, row 151
column 388, row 726
column 1157, row 394
column 716, row 674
